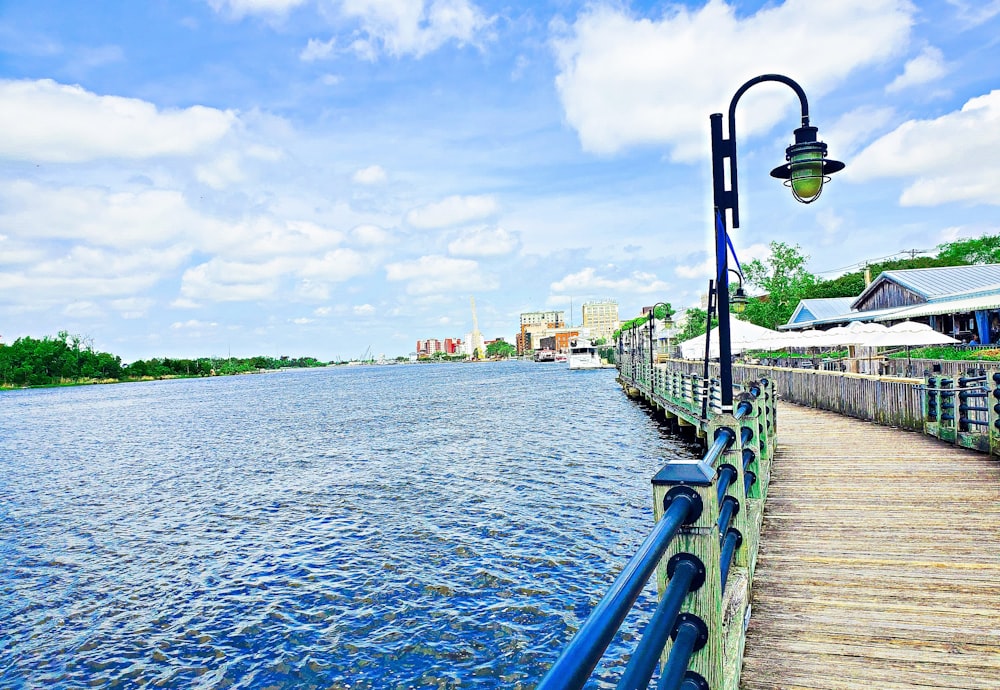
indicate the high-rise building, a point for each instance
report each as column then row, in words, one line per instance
column 536, row 321
column 601, row 318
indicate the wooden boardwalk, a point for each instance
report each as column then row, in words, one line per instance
column 879, row 565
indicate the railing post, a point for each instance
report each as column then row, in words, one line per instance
column 993, row 403
column 946, row 425
column 700, row 539
column 733, row 457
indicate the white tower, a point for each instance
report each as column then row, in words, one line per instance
column 476, row 346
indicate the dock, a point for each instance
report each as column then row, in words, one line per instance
column 879, row 561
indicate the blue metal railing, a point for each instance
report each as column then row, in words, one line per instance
column 686, row 573
column 578, row 660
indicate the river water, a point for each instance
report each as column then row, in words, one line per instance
column 422, row 526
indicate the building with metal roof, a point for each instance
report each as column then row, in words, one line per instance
column 963, row 301
column 818, row 310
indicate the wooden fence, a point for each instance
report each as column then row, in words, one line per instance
column 885, row 400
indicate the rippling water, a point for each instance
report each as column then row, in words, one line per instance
column 433, row 526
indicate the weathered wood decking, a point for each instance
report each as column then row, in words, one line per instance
column 879, row 565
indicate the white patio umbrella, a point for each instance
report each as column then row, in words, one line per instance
column 742, row 334
column 775, row 340
column 862, row 333
column 912, row 333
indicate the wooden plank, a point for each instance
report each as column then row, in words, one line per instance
column 879, row 563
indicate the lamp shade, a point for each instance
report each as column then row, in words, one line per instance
column 738, row 302
column 807, row 168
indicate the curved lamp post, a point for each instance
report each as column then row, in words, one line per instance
column 652, row 323
column 738, row 302
column 805, row 171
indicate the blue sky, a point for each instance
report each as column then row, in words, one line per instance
column 317, row 177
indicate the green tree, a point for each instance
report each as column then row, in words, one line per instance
column 694, row 324
column 784, row 279
column 500, row 349
column 980, row 250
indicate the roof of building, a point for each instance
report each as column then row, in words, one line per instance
column 945, row 306
column 846, row 317
column 935, row 283
column 810, row 310
column 947, row 290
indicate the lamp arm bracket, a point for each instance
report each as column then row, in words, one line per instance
column 791, row 83
column 726, row 148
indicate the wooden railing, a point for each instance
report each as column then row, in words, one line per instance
column 885, row 400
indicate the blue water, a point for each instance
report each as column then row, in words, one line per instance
column 431, row 526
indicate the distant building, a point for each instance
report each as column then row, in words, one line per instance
column 559, row 340
column 533, row 323
column 449, row 346
column 601, row 318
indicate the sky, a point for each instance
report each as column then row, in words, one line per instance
column 332, row 178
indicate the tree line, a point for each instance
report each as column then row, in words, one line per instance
column 69, row 359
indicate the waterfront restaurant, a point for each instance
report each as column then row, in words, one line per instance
column 960, row 301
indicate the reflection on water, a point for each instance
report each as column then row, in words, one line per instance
column 371, row 527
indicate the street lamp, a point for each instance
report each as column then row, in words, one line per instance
column 738, row 302
column 805, row 171
column 652, row 320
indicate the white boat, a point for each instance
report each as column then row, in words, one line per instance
column 545, row 355
column 583, row 355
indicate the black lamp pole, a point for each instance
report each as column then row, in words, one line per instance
column 806, row 169
column 652, row 318
column 708, row 346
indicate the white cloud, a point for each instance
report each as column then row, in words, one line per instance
column 363, row 310
column 265, row 237
column 86, row 273
column 317, row 50
column 193, row 324
column 149, row 218
column 856, row 128
column 337, row 266
column 132, row 307
column 436, row 274
column 83, row 310
column 453, row 210
column 88, row 58
column 373, row 174
column 218, row 280
column 413, row 27
column 588, row 281
column 371, row 235
column 46, row 121
column 955, row 157
column 484, row 242
column 977, row 11
column 302, row 321
column 705, row 269
column 926, row 67
column 94, row 215
column 241, row 8
column 221, row 172
column 626, row 81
